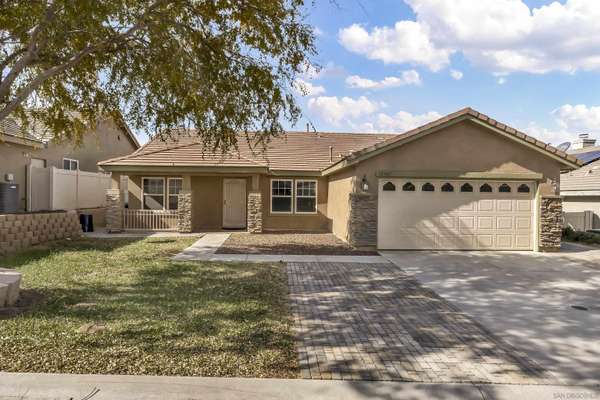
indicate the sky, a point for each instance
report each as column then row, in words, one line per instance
column 392, row 65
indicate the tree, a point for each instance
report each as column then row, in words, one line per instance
column 219, row 65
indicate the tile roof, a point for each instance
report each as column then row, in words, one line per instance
column 301, row 151
column 10, row 127
column 586, row 178
column 293, row 151
column 455, row 116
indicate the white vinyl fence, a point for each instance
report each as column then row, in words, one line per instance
column 579, row 221
column 59, row 189
column 150, row 220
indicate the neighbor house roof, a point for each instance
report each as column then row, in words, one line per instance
column 322, row 152
column 587, row 154
column 11, row 131
column 450, row 119
column 583, row 181
column 293, row 151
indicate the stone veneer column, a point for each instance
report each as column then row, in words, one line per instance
column 254, row 212
column 184, row 211
column 362, row 223
column 551, row 223
column 114, row 210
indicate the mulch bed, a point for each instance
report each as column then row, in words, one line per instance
column 289, row 243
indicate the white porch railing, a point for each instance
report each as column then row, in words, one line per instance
column 150, row 220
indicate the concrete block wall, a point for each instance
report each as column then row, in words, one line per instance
column 19, row 231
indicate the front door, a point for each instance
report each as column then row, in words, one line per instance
column 234, row 203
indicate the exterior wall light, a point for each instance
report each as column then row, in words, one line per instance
column 364, row 184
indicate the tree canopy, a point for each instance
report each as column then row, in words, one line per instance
column 220, row 66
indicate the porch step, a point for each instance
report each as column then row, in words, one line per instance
column 10, row 282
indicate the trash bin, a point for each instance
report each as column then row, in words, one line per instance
column 87, row 222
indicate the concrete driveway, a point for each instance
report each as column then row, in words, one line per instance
column 526, row 298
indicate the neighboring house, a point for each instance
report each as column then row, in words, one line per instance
column 19, row 150
column 464, row 181
column 581, row 188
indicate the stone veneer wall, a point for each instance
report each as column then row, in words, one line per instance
column 114, row 210
column 551, row 222
column 254, row 212
column 362, row 222
column 18, row 231
column 184, row 211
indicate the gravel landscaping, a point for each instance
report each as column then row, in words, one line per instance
column 288, row 243
column 120, row 306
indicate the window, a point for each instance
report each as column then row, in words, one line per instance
column 153, row 193
column 466, row 188
column 281, row 196
column 523, row 188
column 70, row 164
column 485, row 188
column 174, row 187
column 428, row 187
column 447, row 187
column 306, row 197
column 504, row 188
column 389, row 187
column 408, row 187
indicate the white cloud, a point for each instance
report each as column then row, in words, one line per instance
column 404, row 121
column 406, row 42
column 578, row 119
column 410, row 77
column 456, row 74
column 305, row 88
column 501, row 80
column 334, row 110
column 501, row 35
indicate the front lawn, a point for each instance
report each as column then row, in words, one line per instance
column 120, row 306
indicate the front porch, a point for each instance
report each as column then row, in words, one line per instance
column 184, row 203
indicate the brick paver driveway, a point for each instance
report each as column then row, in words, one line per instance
column 373, row 321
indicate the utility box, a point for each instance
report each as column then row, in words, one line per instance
column 9, row 198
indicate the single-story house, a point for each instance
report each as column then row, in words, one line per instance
column 581, row 188
column 464, row 181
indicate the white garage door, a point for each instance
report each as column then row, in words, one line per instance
column 460, row 215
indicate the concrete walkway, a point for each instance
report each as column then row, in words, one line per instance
column 15, row 386
column 205, row 249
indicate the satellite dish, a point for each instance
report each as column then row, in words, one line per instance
column 564, row 146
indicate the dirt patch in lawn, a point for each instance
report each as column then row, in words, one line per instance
column 289, row 243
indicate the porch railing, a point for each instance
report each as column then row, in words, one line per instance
column 150, row 220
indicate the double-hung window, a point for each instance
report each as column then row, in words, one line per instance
column 174, row 187
column 306, row 196
column 70, row 164
column 153, row 193
column 281, row 196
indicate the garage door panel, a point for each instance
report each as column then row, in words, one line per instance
column 455, row 220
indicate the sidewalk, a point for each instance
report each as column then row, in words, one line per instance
column 205, row 250
column 122, row 387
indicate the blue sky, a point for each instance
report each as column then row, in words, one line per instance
column 534, row 65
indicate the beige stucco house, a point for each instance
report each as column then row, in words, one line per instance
column 464, row 181
column 20, row 149
column 581, row 188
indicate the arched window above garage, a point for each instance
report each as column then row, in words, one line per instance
column 389, row 187
column 447, row 187
column 485, row 188
column 466, row 188
column 428, row 187
column 523, row 188
column 504, row 188
column 408, row 187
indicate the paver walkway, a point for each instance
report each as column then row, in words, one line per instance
column 374, row 321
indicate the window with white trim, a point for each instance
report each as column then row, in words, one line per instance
column 70, row 164
column 174, row 186
column 281, row 196
column 153, row 193
column 306, row 196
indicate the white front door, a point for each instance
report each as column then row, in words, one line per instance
column 453, row 214
column 234, row 203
